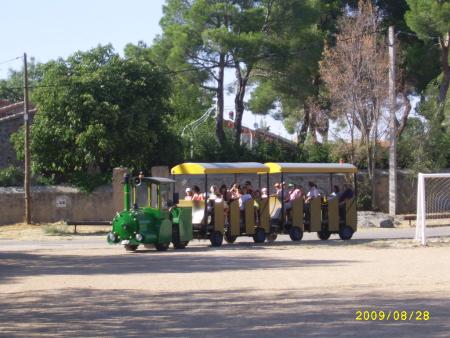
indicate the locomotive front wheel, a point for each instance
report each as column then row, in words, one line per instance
column 130, row 247
column 216, row 238
column 271, row 237
column 295, row 233
column 259, row 236
column 179, row 245
column 346, row 233
column 324, row 235
column 162, row 246
column 230, row 239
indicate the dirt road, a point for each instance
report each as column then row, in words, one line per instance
column 282, row 289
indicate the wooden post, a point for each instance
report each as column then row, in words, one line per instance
column 26, row 181
column 393, row 126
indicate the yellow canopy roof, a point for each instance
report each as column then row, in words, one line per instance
column 219, row 168
column 311, row 168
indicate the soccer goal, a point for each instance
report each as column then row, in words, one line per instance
column 433, row 202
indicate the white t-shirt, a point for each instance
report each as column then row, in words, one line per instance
column 313, row 193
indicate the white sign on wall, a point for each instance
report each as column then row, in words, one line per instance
column 61, row 201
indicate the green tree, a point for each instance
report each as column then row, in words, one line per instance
column 97, row 110
column 431, row 19
column 192, row 32
column 188, row 100
column 288, row 83
column 11, row 88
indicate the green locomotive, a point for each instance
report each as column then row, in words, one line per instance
column 154, row 220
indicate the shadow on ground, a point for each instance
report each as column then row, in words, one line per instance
column 23, row 264
column 119, row 313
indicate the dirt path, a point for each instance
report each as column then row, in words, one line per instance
column 241, row 290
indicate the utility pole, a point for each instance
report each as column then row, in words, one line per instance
column 393, row 126
column 26, row 181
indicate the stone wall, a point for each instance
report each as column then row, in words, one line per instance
column 51, row 204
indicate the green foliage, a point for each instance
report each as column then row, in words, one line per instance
column 11, row 89
column 96, row 111
column 11, row 176
column 318, row 152
column 364, row 197
column 431, row 151
column 428, row 18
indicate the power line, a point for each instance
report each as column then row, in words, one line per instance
column 10, row 60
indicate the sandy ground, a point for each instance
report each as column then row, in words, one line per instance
column 281, row 289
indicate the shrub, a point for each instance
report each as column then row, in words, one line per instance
column 11, row 176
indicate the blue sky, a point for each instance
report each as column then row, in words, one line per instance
column 48, row 29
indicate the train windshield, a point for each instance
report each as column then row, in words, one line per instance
column 165, row 195
column 141, row 195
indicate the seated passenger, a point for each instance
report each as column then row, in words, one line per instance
column 278, row 191
column 225, row 193
column 244, row 198
column 287, row 204
column 213, row 192
column 335, row 193
column 346, row 194
column 312, row 193
column 197, row 195
column 264, row 193
column 295, row 192
column 248, row 186
column 235, row 192
column 189, row 194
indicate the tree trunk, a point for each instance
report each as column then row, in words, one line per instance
column 371, row 171
column 446, row 71
column 220, row 135
column 239, row 101
column 304, row 129
column 407, row 109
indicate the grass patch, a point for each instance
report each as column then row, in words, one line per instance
column 56, row 229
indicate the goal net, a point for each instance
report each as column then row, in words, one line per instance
column 433, row 203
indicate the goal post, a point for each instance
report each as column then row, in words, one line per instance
column 433, row 201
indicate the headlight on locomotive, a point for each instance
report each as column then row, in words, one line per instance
column 113, row 238
column 139, row 237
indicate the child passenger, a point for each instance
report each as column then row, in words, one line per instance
column 197, row 195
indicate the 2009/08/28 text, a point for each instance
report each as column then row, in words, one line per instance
column 396, row 315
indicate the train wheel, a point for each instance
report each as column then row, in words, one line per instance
column 324, row 235
column 179, row 245
column 162, row 246
column 259, row 236
column 130, row 247
column 271, row 237
column 216, row 238
column 346, row 233
column 230, row 239
column 295, row 233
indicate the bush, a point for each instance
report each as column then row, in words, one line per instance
column 56, row 229
column 364, row 198
column 11, row 176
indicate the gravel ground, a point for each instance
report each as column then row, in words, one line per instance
column 282, row 289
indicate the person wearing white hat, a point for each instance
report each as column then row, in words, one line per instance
column 189, row 194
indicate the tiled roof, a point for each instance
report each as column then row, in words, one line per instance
column 14, row 109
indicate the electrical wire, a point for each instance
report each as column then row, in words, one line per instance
column 10, row 60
